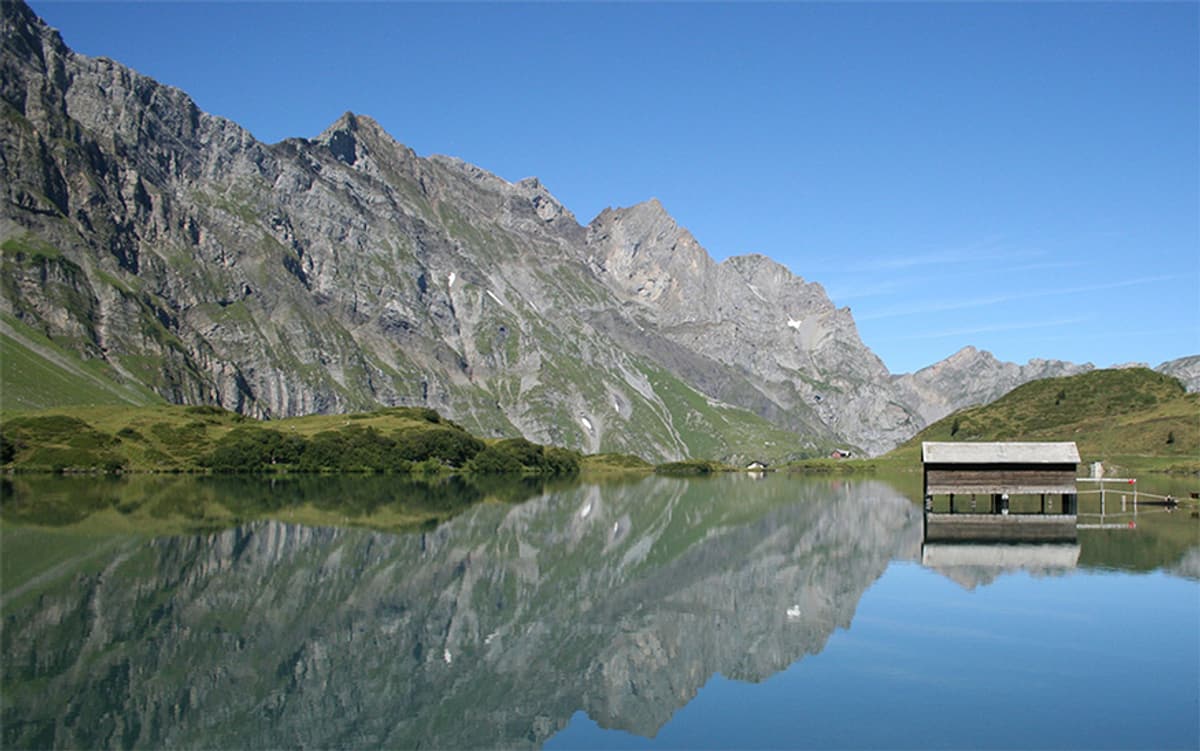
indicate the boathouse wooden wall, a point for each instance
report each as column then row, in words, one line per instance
column 1014, row 479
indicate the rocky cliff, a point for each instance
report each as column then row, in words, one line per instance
column 329, row 274
column 171, row 249
column 756, row 317
column 970, row 377
column 1186, row 369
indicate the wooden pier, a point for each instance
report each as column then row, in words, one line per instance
column 986, row 477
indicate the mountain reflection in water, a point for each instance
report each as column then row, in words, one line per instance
column 972, row 565
column 490, row 630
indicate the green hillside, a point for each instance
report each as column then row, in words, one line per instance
column 36, row 373
column 169, row 438
column 1130, row 417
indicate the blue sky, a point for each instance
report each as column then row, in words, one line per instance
column 1021, row 177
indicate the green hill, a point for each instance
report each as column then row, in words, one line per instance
column 36, row 373
column 170, row 438
column 1132, row 417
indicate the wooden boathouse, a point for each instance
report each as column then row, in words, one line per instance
column 981, row 481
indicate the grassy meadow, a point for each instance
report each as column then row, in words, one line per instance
column 1131, row 418
column 60, row 413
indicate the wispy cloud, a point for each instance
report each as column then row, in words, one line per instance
column 862, row 291
column 983, row 252
column 1188, row 337
column 996, row 328
column 849, row 290
column 1045, row 266
column 971, row 257
column 987, row 300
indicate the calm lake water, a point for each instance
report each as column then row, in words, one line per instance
column 661, row 613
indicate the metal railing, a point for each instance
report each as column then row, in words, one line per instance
column 1168, row 502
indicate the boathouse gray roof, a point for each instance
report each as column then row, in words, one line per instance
column 935, row 452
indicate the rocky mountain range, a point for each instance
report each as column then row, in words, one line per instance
column 170, row 249
column 971, row 376
column 1184, row 369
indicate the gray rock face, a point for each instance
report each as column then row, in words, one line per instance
column 1186, row 369
column 970, row 377
column 324, row 275
column 345, row 272
column 755, row 316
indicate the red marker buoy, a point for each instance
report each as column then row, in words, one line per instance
column 1132, row 525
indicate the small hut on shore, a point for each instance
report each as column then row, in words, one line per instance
column 985, row 477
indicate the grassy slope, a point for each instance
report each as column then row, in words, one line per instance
column 720, row 432
column 1123, row 417
column 165, row 437
column 35, row 373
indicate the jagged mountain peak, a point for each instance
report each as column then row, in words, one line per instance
column 643, row 216
column 968, row 355
column 982, row 361
column 351, row 121
column 646, row 235
column 526, row 203
column 344, row 271
column 763, row 271
column 647, row 258
column 1186, row 369
column 363, row 127
column 651, row 207
column 545, row 204
column 354, row 137
column 341, row 138
column 19, row 22
column 752, row 315
column 973, row 376
column 754, row 261
column 33, row 65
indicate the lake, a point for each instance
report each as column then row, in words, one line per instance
column 729, row 612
